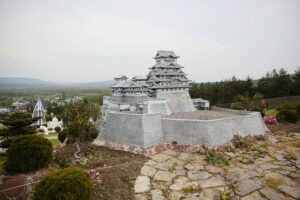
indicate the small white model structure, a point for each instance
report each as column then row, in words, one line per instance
column 39, row 111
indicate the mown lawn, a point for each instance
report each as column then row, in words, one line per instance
column 54, row 142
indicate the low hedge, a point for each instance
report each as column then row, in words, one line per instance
column 290, row 116
column 27, row 153
column 65, row 184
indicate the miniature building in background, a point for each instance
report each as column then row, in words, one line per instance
column 40, row 112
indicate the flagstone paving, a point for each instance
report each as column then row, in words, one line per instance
column 172, row 175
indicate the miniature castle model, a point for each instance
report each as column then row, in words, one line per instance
column 146, row 111
column 164, row 90
column 40, row 112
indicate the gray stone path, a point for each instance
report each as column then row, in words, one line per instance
column 172, row 175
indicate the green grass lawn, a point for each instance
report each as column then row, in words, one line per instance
column 54, row 142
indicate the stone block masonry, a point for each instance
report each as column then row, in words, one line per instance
column 147, row 130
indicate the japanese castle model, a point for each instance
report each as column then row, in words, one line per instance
column 146, row 111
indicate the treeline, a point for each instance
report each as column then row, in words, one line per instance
column 273, row 84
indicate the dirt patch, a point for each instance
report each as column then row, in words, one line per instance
column 117, row 169
column 286, row 127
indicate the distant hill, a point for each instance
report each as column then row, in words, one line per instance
column 18, row 82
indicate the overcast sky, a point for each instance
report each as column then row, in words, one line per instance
column 95, row 40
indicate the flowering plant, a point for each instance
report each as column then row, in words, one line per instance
column 96, row 176
column 269, row 119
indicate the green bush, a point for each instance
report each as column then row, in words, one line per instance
column 57, row 129
column 298, row 109
column 240, row 142
column 290, row 116
column 50, row 129
column 27, row 153
column 65, row 184
column 215, row 157
column 63, row 135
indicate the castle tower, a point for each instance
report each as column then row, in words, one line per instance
column 39, row 111
column 166, row 80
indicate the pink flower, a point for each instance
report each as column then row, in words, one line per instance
column 269, row 119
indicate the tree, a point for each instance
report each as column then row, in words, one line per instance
column 275, row 84
column 296, row 82
column 16, row 124
column 79, row 117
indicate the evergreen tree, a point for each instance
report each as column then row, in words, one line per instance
column 16, row 124
column 296, row 82
column 79, row 117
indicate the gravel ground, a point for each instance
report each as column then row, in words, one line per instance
column 202, row 114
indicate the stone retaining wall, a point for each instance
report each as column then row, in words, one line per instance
column 147, row 130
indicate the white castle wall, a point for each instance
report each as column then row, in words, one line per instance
column 146, row 130
column 143, row 130
column 211, row 132
column 178, row 101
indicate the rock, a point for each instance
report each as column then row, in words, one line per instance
column 278, row 156
column 176, row 162
column 175, row 195
column 151, row 163
column 247, row 186
column 148, row 171
column 282, row 162
column 185, row 156
column 198, row 175
column 180, row 172
column 157, row 194
column 212, row 182
column 253, row 196
column 194, row 166
column 213, row 194
column 230, row 154
column 160, row 185
column 268, row 166
column 297, row 163
column 288, row 168
column 272, row 194
column 194, row 196
column 285, row 180
column 170, row 164
column 214, row 169
column 140, row 197
column 292, row 191
column 295, row 174
column 182, row 182
column 142, row 184
column 160, row 157
column 164, row 176
column 18, row 193
column 170, row 152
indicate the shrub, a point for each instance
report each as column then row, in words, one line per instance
column 288, row 116
column 272, row 112
column 215, row 157
column 57, row 129
column 240, row 142
column 41, row 130
column 50, row 129
column 28, row 153
column 63, row 135
column 65, row 184
column 62, row 161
